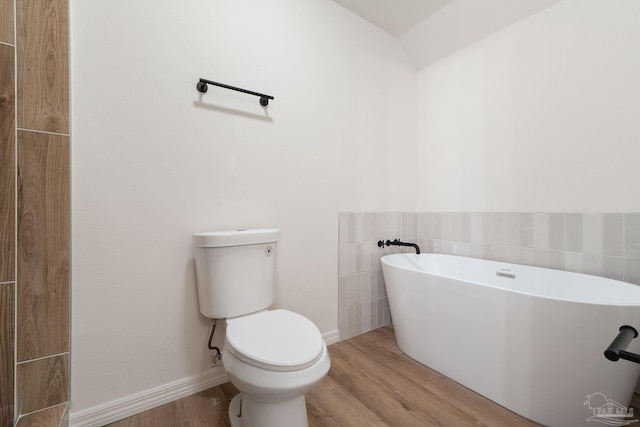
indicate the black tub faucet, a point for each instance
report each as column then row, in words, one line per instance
column 397, row 242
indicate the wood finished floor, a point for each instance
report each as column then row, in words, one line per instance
column 370, row 383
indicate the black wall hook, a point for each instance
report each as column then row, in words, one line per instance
column 202, row 88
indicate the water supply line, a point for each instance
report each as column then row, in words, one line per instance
column 218, row 354
column 397, row 242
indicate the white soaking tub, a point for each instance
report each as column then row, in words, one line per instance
column 530, row 339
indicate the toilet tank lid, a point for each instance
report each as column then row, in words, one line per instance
column 219, row 239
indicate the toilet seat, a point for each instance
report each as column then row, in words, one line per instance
column 277, row 340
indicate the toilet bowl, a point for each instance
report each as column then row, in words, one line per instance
column 273, row 358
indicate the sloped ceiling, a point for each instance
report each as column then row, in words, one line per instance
column 394, row 16
column 430, row 30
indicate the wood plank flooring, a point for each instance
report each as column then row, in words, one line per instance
column 371, row 383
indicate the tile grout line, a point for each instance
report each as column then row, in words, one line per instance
column 41, row 410
column 42, row 358
column 41, row 131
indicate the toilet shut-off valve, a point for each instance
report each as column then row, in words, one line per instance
column 216, row 358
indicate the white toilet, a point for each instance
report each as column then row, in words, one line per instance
column 272, row 356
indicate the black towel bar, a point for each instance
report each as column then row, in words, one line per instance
column 202, row 87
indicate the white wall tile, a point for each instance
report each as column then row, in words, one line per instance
column 347, row 262
column 556, row 260
column 592, row 264
column 539, row 239
column 343, row 226
column 556, row 232
column 370, row 227
column 573, row 233
column 632, row 270
column 592, row 233
column 513, row 229
column 475, row 228
column 526, row 230
column 613, row 234
column 632, row 235
column 613, row 267
column 541, row 258
column 573, row 262
column 540, row 230
column 351, row 227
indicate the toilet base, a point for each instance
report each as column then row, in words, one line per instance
column 245, row 411
column 235, row 417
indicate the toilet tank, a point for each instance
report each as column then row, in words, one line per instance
column 235, row 271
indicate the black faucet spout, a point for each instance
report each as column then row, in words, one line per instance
column 397, row 242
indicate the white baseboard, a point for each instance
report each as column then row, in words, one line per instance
column 127, row 406
column 331, row 337
column 131, row 405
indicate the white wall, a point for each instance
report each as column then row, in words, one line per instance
column 541, row 116
column 154, row 161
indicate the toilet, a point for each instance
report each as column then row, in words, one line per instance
column 273, row 357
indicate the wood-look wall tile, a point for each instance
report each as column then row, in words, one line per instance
column 47, row 418
column 43, row 65
column 7, row 343
column 7, row 164
column 6, row 21
column 43, row 245
column 43, row 383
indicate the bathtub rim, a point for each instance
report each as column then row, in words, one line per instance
column 384, row 260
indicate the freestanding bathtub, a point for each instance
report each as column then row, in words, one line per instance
column 530, row 339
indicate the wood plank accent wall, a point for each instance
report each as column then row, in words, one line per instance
column 43, row 65
column 35, row 219
column 43, row 244
column 6, row 353
column 7, row 164
column 7, row 214
column 6, row 21
column 48, row 417
column 43, row 383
